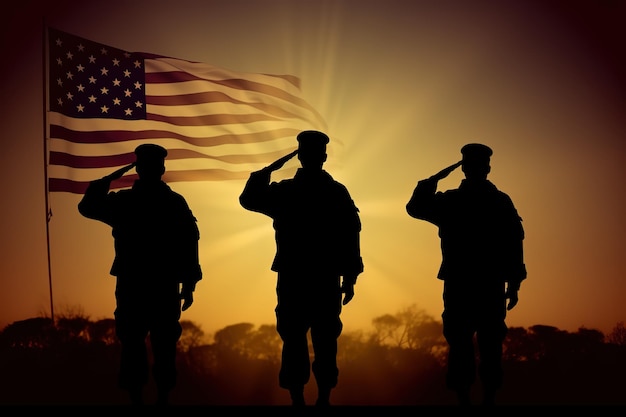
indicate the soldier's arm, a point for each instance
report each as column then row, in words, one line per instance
column 93, row 203
column 518, row 267
column 353, row 262
column 419, row 204
column 254, row 193
column 191, row 272
column 253, row 196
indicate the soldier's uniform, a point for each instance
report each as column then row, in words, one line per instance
column 481, row 237
column 156, row 251
column 317, row 230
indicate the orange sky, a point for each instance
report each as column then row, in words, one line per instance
column 403, row 84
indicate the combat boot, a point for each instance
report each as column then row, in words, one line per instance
column 323, row 396
column 136, row 396
column 297, row 396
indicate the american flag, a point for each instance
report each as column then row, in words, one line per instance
column 216, row 124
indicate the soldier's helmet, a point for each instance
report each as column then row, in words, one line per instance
column 476, row 160
column 150, row 152
column 312, row 146
column 312, row 139
column 476, row 152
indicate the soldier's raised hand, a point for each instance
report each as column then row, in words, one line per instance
column 446, row 171
column 281, row 161
column 118, row 174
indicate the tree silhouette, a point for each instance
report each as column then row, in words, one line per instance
column 192, row 336
column 389, row 329
column 103, row 331
column 233, row 339
column 30, row 333
column 410, row 327
column 74, row 361
column 517, row 346
column 264, row 344
column 618, row 335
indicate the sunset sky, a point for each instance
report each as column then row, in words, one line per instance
column 403, row 85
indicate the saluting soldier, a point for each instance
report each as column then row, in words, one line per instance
column 318, row 257
column 156, row 265
column 482, row 267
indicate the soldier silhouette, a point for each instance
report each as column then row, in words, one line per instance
column 318, row 257
column 482, row 267
column 156, row 265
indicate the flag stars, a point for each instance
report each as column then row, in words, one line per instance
column 78, row 88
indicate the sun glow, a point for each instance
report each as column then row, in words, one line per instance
column 402, row 86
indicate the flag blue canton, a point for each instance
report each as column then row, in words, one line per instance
column 92, row 80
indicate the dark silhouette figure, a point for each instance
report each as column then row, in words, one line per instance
column 156, row 265
column 482, row 266
column 317, row 229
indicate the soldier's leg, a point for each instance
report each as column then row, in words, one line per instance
column 164, row 335
column 164, row 340
column 490, row 340
column 325, row 330
column 131, row 331
column 134, row 367
column 295, row 366
column 461, row 372
column 458, row 331
column 324, row 340
column 292, row 326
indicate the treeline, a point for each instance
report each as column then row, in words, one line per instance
column 74, row 361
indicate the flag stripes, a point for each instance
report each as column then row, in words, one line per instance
column 215, row 123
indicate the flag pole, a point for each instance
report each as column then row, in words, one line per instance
column 45, row 160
